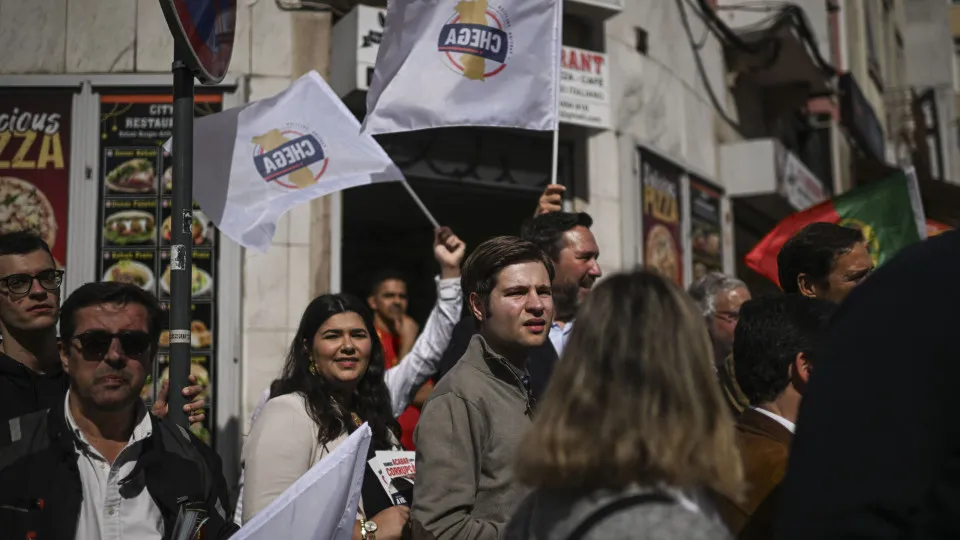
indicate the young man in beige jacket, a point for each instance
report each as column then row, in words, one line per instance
column 470, row 427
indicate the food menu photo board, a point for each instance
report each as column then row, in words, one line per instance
column 34, row 165
column 136, row 203
column 706, row 230
column 660, row 204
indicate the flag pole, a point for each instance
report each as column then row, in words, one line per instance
column 423, row 207
column 555, row 162
column 181, row 241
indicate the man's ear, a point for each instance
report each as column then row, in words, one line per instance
column 802, row 367
column 65, row 356
column 807, row 286
column 476, row 306
column 372, row 302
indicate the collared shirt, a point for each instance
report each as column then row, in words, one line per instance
column 791, row 427
column 559, row 335
column 115, row 509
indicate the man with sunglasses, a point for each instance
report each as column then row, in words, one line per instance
column 31, row 378
column 98, row 464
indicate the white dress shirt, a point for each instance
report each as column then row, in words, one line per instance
column 559, row 335
column 779, row 419
column 112, row 510
column 415, row 368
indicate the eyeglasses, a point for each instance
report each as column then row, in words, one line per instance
column 729, row 316
column 96, row 343
column 22, row 283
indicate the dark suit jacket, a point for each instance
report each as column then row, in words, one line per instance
column 764, row 447
column 877, row 449
column 542, row 359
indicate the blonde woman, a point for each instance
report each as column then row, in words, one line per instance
column 632, row 435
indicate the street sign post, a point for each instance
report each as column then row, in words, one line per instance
column 203, row 33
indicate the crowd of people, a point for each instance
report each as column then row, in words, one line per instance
column 542, row 402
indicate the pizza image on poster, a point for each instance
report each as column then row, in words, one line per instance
column 662, row 253
column 35, row 165
column 660, row 204
column 24, row 206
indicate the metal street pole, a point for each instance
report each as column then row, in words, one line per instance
column 181, row 244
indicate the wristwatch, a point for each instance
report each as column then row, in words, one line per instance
column 368, row 530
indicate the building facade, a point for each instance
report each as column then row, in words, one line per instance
column 689, row 128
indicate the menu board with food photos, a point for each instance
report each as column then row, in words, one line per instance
column 136, row 203
column 706, row 228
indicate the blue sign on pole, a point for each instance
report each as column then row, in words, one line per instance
column 204, row 30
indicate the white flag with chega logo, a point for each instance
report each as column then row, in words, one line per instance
column 254, row 163
column 322, row 504
column 445, row 63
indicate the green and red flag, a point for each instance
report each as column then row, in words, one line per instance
column 889, row 213
column 935, row 227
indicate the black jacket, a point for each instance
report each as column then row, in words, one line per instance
column 22, row 391
column 41, row 491
column 877, row 449
column 542, row 359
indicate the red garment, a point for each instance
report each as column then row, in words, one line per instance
column 407, row 420
column 391, row 344
column 408, row 423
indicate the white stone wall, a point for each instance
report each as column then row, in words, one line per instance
column 659, row 100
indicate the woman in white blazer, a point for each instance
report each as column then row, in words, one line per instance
column 332, row 382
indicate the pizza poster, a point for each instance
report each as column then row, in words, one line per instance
column 136, row 202
column 706, row 228
column 35, row 165
column 660, row 204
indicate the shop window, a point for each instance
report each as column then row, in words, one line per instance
column 642, row 45
column 582, row 33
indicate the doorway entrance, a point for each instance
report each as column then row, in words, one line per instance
column 384, row 228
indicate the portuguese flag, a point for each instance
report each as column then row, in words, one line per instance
column 935, row 227
column 889, row 213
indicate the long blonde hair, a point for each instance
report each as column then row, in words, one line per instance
column 635, row 398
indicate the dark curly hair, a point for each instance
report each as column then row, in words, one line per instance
column 546, row 230
column 371, row 399
column 769, row 335
column 813, row 251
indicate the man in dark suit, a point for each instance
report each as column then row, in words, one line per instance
column 775, row 347
column 877, row 452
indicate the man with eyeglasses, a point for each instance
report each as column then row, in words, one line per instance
column 719, row 298
column 31, row 378
column 98, row 464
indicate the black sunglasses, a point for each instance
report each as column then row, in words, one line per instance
column 96, row 343
column 21, row 283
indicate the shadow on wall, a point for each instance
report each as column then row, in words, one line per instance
column 229, row 446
